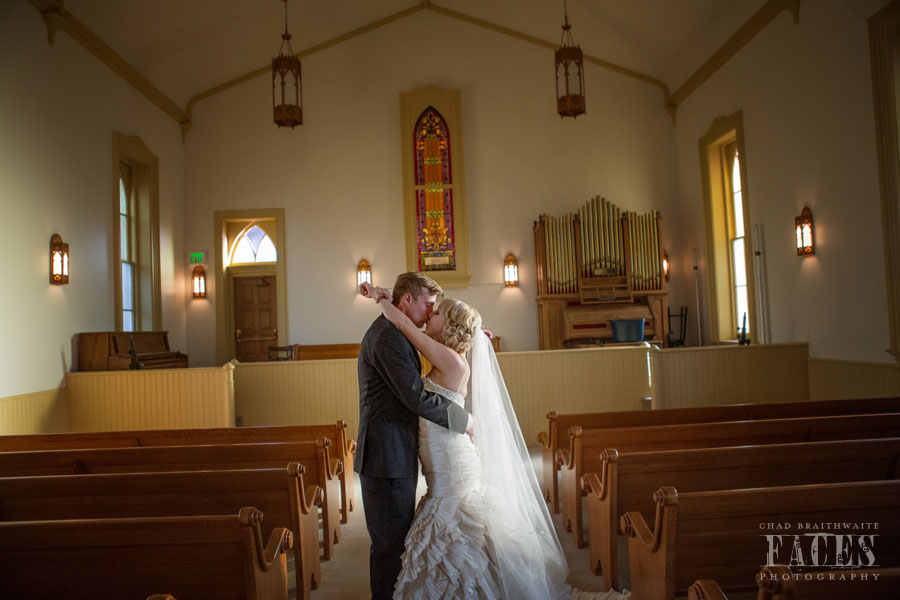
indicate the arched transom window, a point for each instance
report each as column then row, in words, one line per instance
column 253, row 246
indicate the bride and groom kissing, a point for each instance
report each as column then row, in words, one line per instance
column 482, row 530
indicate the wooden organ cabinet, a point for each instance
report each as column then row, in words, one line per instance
column 596, row 266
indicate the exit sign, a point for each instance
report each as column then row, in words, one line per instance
column 196, row 257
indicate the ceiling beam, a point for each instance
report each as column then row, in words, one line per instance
column 57, row 18
column 756, row 23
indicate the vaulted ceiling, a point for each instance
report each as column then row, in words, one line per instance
column 188, row 47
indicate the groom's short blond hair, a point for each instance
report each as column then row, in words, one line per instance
column 414, row 282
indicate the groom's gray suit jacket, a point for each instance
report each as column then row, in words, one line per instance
column 391, row 398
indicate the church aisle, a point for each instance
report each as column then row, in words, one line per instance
column 346, row 576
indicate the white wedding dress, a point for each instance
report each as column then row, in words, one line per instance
column 482, row 530
column 448, row 552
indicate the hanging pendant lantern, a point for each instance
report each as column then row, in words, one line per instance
column 286, row 76
column 569, row 73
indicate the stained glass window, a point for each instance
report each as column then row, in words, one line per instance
column 435, row 237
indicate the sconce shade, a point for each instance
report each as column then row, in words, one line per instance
column 198, row 282
column 665, row 264
column 363, row 272
column 510, row 271
column 569, row 74
column 59, row 261
column 287, row 107
column 805, row 233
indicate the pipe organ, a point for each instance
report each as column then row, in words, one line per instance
column 594, row 266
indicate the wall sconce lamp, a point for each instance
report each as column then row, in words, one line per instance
column 59, row 261
column 198, row 282
column 665, row 265
column 510, row 271
column 805, row 231
column 363, row 272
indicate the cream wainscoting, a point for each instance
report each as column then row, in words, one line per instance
column 39, row 412
column 151, row 399
column 573, row 381
column 844, row 379
column 297, row 392
column 323, row 391
column 710, row 375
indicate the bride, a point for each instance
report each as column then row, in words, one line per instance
column 482, row 530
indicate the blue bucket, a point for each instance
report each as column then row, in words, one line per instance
column 628, row 330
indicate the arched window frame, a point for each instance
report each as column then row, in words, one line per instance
column 412, row 106
column 244, row 235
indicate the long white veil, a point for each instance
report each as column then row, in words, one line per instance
column 528, row 554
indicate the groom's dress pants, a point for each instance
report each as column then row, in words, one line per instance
column 390, row 505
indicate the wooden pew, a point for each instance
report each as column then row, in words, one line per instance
column 559, row 424
column 584, row 454
column 626, row 482
column 321, row 468
column 279, row 493
column 342, row 447
column 780, row 583
column 721, row 534
column 220, row 556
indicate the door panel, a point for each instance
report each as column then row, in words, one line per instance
column 255, row 317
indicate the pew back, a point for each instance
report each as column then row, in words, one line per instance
column 584, row 454
column 559, row 424
column 626, row 482
column 220, row 557
column 342, row 448
column 725, row 534
column 279, row 493
column 321, row 468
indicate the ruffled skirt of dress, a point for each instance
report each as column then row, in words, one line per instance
column 447, row 552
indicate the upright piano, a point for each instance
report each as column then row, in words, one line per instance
column 122, row 350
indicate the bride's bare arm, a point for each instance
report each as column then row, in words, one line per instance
column 442, row 357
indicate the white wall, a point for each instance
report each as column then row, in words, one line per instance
column 805, row 93
column 59, row 106
column 339, row 176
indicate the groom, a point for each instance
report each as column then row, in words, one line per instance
column 392, row 397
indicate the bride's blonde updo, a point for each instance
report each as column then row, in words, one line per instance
column 461, row 321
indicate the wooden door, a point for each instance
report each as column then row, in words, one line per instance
column 255, row 318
